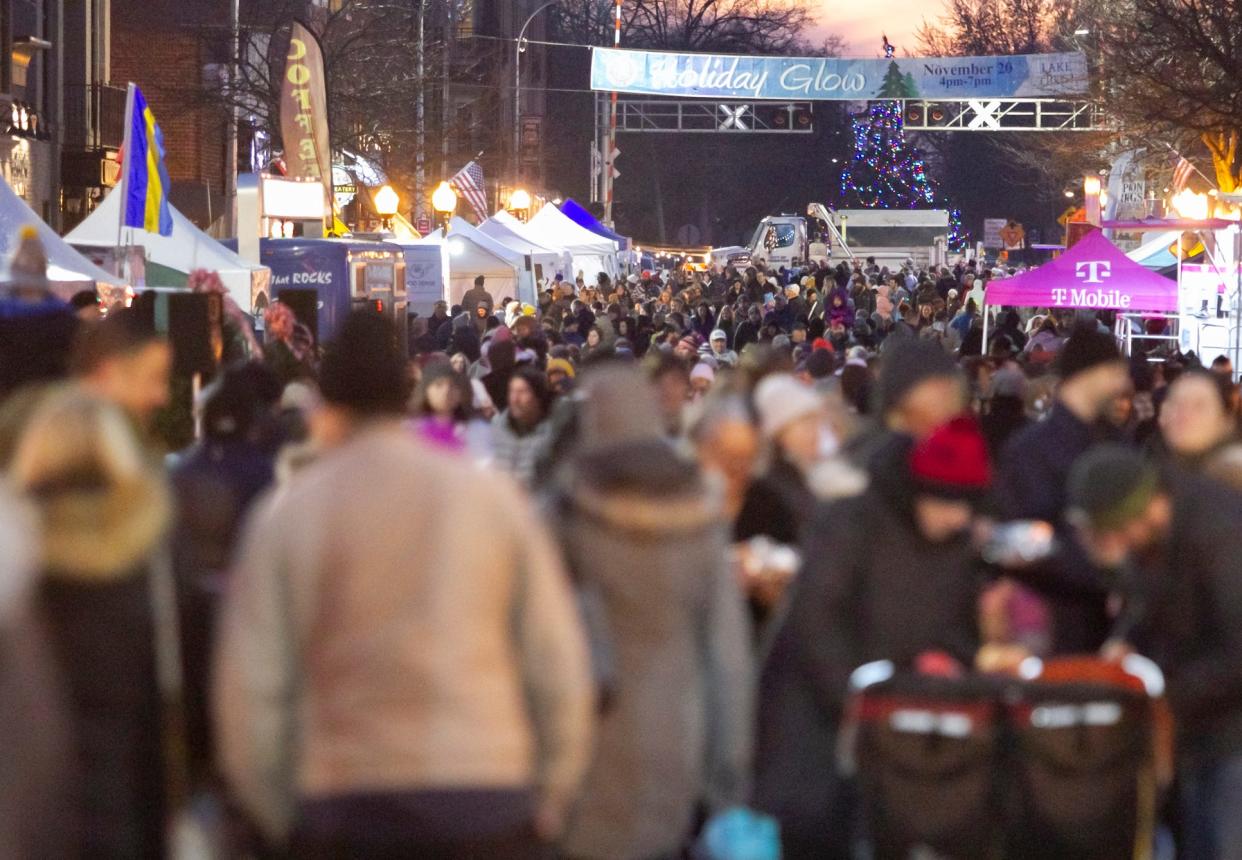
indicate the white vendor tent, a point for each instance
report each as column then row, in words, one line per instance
column 1156, row 251
column 470, row 254
column 507, row 230
column 187, row 249
column 592, row 253
column 67, row 270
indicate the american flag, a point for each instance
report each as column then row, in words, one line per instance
column 1182, row 172
column 468, row 182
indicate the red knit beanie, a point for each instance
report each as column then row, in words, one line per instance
column 952, row 461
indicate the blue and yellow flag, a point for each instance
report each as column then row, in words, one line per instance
column 146, row 178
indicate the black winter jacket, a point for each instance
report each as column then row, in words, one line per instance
column 871, row 588
column 1185, row 606
column 1032, row 483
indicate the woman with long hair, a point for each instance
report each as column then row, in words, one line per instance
column 443, row 404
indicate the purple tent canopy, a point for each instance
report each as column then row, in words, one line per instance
column 1094, row 274
column 1163, row 224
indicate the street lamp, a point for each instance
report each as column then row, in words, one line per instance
column 519, row 204
column 1091, row 188
column 517, row 90
column 1190, row 205
column 444, row 201
column 386, row 204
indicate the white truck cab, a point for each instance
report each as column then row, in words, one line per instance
column 891, row 236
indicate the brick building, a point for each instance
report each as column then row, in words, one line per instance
column 175, row 50
column 171, row 48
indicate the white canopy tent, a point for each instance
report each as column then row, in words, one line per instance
column 507, row 230
column 1155, row 251
column 470, row 254
column 67, row 270
column 187, row 249
column 591, row 253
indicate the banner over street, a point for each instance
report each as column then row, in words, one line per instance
column 658, row 73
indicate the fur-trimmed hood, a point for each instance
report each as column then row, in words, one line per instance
column 100, row 533
column 644, row 488
column 17, row 562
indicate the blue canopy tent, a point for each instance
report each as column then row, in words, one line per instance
column 583, row 218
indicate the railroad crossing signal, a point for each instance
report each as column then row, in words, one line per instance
column 734, row 117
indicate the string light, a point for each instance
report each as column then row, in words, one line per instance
column 885, row 173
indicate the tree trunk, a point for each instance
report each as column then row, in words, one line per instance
column 1224, row 148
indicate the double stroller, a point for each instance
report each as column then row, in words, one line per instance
column 1061, row 762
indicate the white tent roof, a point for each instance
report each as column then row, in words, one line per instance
column 65, row 265
column 471, row 253
column 461, row 227
column 509, row 233
column 506, row 229
column 591, row 253
column 188, row 247
column 504, row 224
column 552, row 227
column 1156, row 246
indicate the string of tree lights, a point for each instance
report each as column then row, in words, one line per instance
column 887, row 173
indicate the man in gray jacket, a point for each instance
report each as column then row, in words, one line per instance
column 390, row 681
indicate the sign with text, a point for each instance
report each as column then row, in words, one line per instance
column 1092, row 274
column 304, row 111
column 992, row 233
column 725, row 76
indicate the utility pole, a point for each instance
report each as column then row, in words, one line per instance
column 230, row 149
column 517, row 93
column 56, row 88
column 420, row 124
column 596, row 163
column 446, row 111
column 612, row 126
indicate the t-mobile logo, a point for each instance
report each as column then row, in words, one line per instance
column 1094, row 271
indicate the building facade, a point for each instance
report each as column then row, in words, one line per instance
column 30, row 102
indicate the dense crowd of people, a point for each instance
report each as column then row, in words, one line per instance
column 584, row 579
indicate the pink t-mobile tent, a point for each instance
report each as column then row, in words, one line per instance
column 1093, row 274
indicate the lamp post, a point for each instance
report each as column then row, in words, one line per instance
column 517, row 90
column 386, row 204
column 519, row 204
column 444, row 201
column 1091, row 188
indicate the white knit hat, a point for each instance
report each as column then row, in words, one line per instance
column 703, row 370
column 781, row 399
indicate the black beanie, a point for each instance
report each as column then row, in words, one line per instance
column 1085, row 349
column 364, row 368
column 820, row 364
column 1110, row 485
column 908, row 363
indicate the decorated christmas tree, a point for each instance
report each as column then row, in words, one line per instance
column 886, row 172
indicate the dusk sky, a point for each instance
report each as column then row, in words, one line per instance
column 862, row 23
